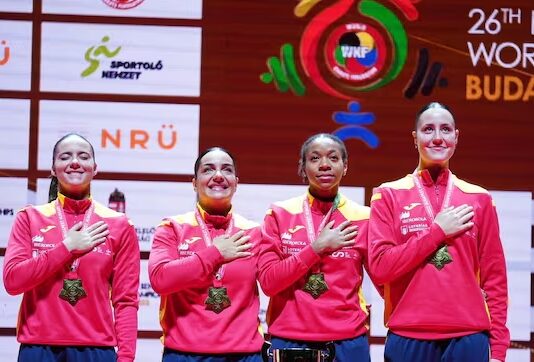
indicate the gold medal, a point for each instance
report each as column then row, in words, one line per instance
column 72, row 291
column 217, row 300
column 441, row 257
column 316, row 285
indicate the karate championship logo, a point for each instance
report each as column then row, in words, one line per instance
column 123, row 4
column 345, row 58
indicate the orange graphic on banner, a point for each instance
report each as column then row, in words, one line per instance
column 7, row 53
column 505, row 88
column 167, row 138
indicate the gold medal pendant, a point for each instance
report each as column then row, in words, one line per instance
column 217, row 300
column 316, row 285
column 72, row 291
column 441, row 257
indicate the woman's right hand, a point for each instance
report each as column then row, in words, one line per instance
column 333, row 238
column 455, row 220
column 80, row 241
column 233, row 247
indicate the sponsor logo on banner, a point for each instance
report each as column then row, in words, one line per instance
column 93, row 54
column 144, row 235
column 6, row 53
column 355, row 52
column 166, row 138
column 146, row 294
column 123, row 4
column 7, row 212
column 366, row 48
column 118, row 69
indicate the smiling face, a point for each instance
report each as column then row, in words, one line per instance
column 74, row 166
column 215, row 182
column 324, row 167
column 436, row 137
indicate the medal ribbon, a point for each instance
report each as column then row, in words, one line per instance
column 64, row 230
column 425, row 200
column 209, row 242
column 310, row 227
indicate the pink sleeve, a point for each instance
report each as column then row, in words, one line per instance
column 22, row 271
column 168, row 274
column 277, row 273
column 125, row 292
column 493, row 279
column 390, row 259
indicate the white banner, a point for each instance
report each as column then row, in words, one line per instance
column 149, row 350
column 15, row 131
column 515, row 215
column 18, row 6
column 14, row 197
column 9, row 348
column 120, row 59
column 15, row 55
column 127, row 137
column 190, row 9
column 148, row 302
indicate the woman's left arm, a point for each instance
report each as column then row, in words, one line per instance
column 493, row 277
column 125, row 291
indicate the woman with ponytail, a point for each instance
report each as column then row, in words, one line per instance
column 77, row 264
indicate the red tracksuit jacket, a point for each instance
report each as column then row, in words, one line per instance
column 422, row 301
column 182, row 268
column 286, row 260
column 36, row 262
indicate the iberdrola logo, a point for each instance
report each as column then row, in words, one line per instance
column 345, row 58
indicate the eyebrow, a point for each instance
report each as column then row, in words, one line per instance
column 439, row 124
column 328, row 152
column 213, row 165
column 70, row 153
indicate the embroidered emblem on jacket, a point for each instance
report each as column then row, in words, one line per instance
column 295, row 229
column 38, row 239
column 48, row 228
column 411, row 206
column 191, row 240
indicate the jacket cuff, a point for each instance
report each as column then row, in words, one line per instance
column 498, row 351
column 437, row 235
column 211, row 256
column 308, row 256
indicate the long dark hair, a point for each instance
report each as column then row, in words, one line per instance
column 53, row 189
column 306, row 145
column 205, row 152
